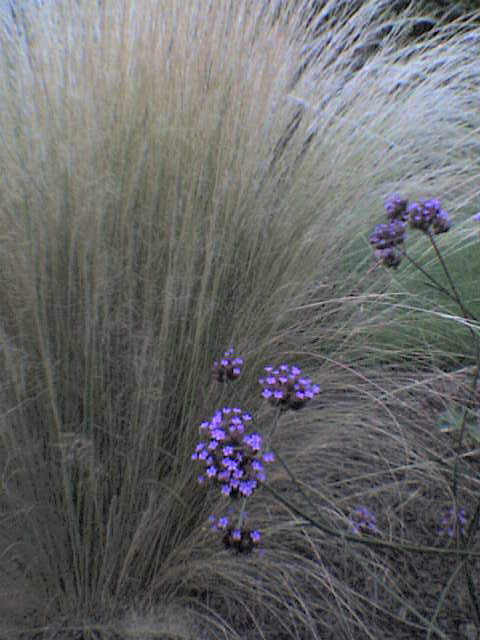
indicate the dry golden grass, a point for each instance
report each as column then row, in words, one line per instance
column 179, row 176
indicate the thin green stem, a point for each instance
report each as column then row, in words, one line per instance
column 269, row 436
column 466, row 312
column 433, row 283
column 463, row 422
column 241, row 515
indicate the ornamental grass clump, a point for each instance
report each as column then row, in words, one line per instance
column 173, row 174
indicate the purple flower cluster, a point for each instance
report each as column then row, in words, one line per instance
column 396, row 208
column 428, row 213
column 229, row 367
column 232, row 457
column 240, row 539
column 388, row 237
column 286, row 388
column 449, row 523
column 363, row 521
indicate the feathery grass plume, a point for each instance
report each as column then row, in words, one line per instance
column 172, row 175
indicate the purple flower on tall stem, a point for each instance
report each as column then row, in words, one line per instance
column 284, row 388
column 427, row 214
column 387, row 238
column 362, row 520
column 229, row 367
column 396, row 207
column 451, row 524
column 237, row 537
column 231, row 457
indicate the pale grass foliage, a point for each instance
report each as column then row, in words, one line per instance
column 175, row 177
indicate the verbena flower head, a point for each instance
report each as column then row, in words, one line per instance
column 428, row 213
column 228, row 367
column 232, row 457
column 389, row 257
column 386, row 239
column 285, row 387
column 388, row 235
column 362, row 520
column 449, row 524
column 396, row 207
column 239, row 539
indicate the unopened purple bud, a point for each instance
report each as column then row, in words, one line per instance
column 255, row 536
column 396, row 207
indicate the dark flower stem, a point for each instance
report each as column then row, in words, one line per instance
column 436, row 285
column 269, row 436
column 466, row 313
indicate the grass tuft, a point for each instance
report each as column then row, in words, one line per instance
column 186, row 176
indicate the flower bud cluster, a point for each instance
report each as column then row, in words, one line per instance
column 387, row 238
column 232, row 457
column 363, row 521
column 396, row 208
column 428, row 213
column 229, row 367
column 286, row 388
column 449, row 523
column 239, row 539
